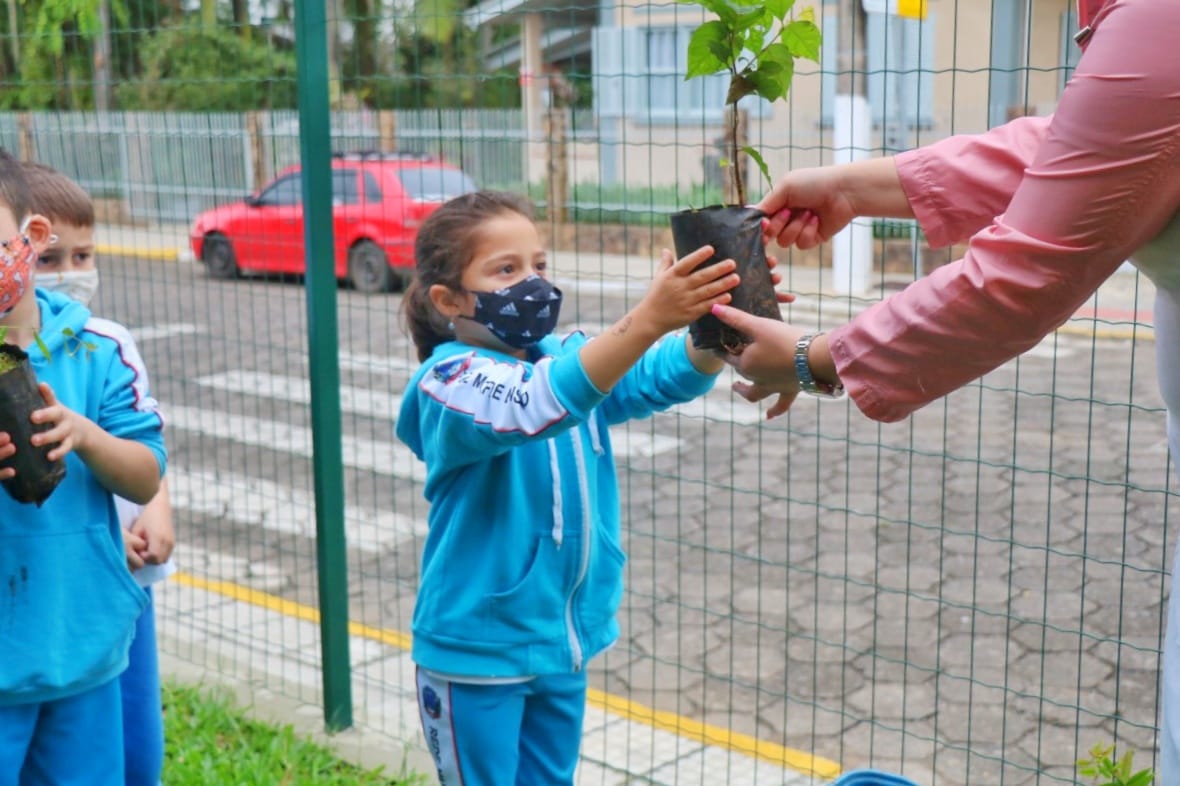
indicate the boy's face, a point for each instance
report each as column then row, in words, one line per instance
column 72, row 250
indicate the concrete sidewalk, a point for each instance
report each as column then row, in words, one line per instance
column 1121, row 308
column 265, row 649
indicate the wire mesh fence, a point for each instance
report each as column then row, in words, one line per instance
column 973, row 595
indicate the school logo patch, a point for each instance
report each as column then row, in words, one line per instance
column 431, row 703
column 446, row 370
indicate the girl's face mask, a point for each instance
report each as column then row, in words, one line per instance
column 17, row 258
column 519, row 315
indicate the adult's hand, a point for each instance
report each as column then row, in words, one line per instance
column 807, row 207
column 768, row 361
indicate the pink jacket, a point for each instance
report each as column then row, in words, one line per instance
column 1052, row 207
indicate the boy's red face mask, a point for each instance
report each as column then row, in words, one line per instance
column 17, row 257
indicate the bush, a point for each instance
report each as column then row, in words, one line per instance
column 189, row 68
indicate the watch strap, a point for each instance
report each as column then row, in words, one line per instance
column 807, row 381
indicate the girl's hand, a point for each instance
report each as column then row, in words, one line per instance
column 680, row 293
column 69, row 427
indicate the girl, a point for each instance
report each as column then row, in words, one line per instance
column 522, row 567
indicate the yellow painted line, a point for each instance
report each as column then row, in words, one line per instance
column 141, row 252
column 288, row 608
column 1137, row 332
column 717, row 736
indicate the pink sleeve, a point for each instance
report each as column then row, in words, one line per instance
column 1104, row 181
column 958, row 185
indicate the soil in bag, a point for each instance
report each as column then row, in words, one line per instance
column 36, row 476
column 734, row 233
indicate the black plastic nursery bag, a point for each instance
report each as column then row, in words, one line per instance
column 734, row 233
column 36, row 476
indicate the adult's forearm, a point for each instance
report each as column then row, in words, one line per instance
column 873, row 188
column 1102, row 183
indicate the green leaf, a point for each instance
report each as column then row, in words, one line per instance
column 3, row 333
column 1141, row 778
column 803, row 39
column 772, row 80
column 719, row 8
column 705, row 47
column 779, row 8
column 41, row 345
column 758, row 18
column 761, row 162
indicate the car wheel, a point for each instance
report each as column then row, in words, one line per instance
column 368, row 268
column 219, row 257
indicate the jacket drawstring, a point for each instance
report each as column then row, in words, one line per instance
column 558, row 523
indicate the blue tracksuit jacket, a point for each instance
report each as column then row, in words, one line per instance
column 522, row 566
column 68, row 603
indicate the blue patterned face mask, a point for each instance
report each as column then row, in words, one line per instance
column 519, row 315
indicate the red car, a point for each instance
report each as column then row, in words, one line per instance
column 378, row 202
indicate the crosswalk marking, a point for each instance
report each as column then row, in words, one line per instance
column 296, row 390
column 379, row 364
column 375, row 404
column 281, row 508
column 150, row 332
column 386, row 457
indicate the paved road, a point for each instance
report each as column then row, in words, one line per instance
column 971, row 596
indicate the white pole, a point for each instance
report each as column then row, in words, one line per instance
column 852, row 247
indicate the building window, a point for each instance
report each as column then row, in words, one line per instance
column 639, row 75
column 899, row 59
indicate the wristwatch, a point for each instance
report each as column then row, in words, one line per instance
column 807, row 382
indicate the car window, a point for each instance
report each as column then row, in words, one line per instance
column 435, row 184
column 344, row 187
column 284, row 191
column 372, row 188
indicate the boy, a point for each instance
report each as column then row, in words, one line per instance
column 70, row 605
column 68, row 266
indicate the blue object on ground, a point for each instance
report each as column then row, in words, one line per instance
column 872, row 778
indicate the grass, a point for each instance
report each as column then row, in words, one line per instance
column 211, row 741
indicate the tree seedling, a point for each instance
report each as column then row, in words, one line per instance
column 757, row 45
column 1105, row 769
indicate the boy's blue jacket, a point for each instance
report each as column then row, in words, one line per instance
column 68, row 604
column 522, row 567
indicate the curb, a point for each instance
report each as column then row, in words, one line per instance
column 146, row 252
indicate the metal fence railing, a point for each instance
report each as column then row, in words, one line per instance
column 974, row 595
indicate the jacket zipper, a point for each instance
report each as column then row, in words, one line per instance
column 584, row 491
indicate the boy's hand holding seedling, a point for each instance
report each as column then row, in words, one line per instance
column 134, row 475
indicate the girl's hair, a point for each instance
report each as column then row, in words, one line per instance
column 444, row 248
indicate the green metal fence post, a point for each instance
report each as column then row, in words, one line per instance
column 315, row 140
